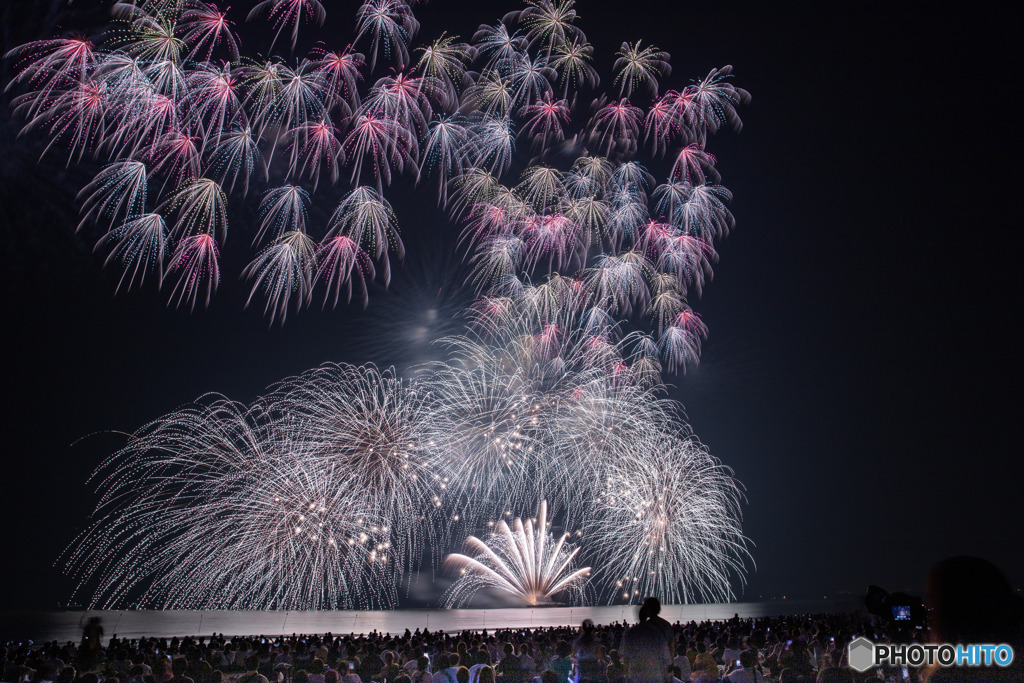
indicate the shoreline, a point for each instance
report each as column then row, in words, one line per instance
column 65, row 625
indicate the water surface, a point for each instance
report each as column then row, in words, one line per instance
column 62, row 625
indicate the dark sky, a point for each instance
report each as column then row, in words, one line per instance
column 863, row 366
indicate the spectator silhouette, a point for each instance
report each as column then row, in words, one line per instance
column 92, row 643
column 972, row 602
column 588, row 666
column 645, row 646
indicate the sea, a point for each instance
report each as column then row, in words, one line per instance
column 66, row 625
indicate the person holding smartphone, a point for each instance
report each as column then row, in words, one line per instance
column 349, row 674
column 585, row 652
column 833, row 668
column 746, row 669
column 391, row 669
column 731, row 653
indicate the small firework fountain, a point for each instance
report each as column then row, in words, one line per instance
column 524, row 560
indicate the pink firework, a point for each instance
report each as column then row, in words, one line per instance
column 342, row 265
column 546, row 120
column 617, row 127
column 205, row 28
column 379, row 143
column 155, row 97
column 195, row 265
column 554, row 238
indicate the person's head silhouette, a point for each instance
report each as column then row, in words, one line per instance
column 650, row 608
column 972, row 602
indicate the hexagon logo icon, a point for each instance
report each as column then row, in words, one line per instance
column 861, row 654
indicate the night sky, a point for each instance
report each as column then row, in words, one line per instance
column 861, row 374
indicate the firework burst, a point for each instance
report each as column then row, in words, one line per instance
column 525, row 560
column 220, row 506
column 373, row 427
column 189, row 124
column 668, row 524
column 329, row 489
column 351, row 474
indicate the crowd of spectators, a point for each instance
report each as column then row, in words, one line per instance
column 808, row 648
column 971, row 601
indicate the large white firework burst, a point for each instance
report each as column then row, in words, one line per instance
column 525, row 560
column 373, row 427
column 668, row 524
column 219, row 506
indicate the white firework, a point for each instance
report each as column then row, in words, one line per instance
column 335, row 484
column 487, row 434
column 513, row 411
column 220, row 506
column 373, row 427
column 525, row 560
column 667, row 524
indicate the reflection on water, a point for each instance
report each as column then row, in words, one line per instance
column 67, row 625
